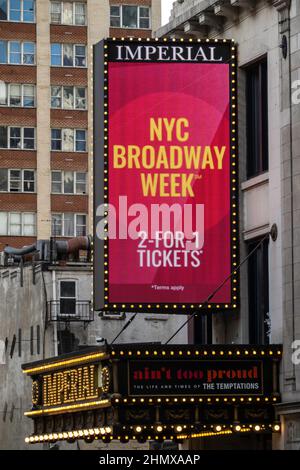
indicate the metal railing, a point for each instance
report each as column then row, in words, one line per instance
column 69, row 310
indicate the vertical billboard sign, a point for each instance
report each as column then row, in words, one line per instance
column 165, row 175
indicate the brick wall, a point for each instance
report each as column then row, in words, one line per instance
column 17, row 31
column 126, row 32
column 68, row 76
column 18, row 117
column 10, row 202
column 69, row 118
column 18, row 74
column 64, row 203
column 69, row 161
column 17, row 159
column 68, row 34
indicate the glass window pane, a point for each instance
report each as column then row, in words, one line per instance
column 56, row 228
column 3, row 179
column 80, row 183
column 28, row 181
column 80, row 225
column 3, row 52
column 3, row 10
column 3, row 223
column 68, row 55
column 80, row 13
column 28, row 11
column 67, row 289
column 80, row 98
column 80, row 53
column 130, row 16
column 56, row 100
column 15, row 10
column 28, row 95
column 15, row 52
column 144, row 23
column 68, row 182
column 68, row 225
column 56, row 12
column 15, row 95
column 68, row 140
column 3, row 137
column 15, row 183
column 3, row 93
column 68, row 102
column 15, row 226
column 56, row 182
column 56, row 54
column 29, row 224
column 144, row 12
column 67, row 12
column 29, row 138
column 80, row 140
column 15, row 137
column 28, row 53
column 56, row 139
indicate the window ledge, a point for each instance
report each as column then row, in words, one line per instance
column 255, row 181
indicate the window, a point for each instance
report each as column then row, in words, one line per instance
column 3, row 93
column 257, row 118
column 258, row 293
column 12, row 180
column 17, row 53
column 17, row 95
column 68, row 97
column 68, row 182
column 68, row 225
column 18, row 224
column 129, row 16
column 17, row 10
column 68, row 55
column 72, row 13
column 68, row 140
column 67, row 297
column 80, row 140
column 22, row 138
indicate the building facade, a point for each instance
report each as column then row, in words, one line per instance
column 46, row 115
column 267, row 36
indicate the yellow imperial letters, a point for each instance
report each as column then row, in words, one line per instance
column 69, row 386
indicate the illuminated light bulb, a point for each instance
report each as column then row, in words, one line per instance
column 70, row 434
column 218, row 428
column 27, row 440
column 75, row 434
column 159, row 428
column 178, row 428
column 277, row 427
column 102, row 430
column 108, row 429
column 80, row 433
column 55, row 436
column 138, row 429
column 65, row 435
column 238, row 428
column 257, row 428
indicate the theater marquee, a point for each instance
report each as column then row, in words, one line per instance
column 147, row 392
column 165, row 175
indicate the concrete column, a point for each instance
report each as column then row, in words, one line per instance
column 43, row 119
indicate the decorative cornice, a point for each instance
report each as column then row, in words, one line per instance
column 281, row 4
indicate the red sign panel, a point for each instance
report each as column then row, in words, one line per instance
column 170, row 154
